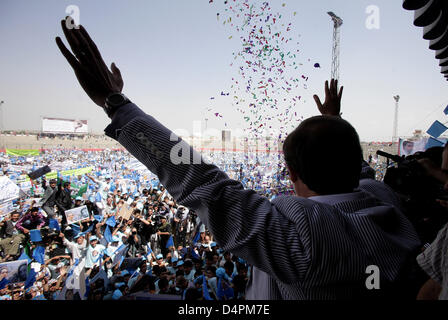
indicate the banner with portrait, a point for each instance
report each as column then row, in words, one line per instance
column 77, row 214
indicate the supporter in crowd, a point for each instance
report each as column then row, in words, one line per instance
column 49, row 199
column 11, row 238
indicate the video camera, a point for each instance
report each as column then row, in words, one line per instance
column 418, row 192
column 410, row 179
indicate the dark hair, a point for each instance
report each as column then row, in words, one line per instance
column 212, row 269
column 326, row 154
column 229, row 266
column 163, row 283
column 66, row 184
column 435, row 154
column 192, row 295
column 146, row 282
column 156, row 270
column 180, row 273
column 209, row 255
column 188, row 264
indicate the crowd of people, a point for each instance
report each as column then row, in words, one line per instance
column 136, row 240
column 118, row 234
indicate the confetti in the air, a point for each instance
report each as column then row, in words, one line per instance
column 268, row 83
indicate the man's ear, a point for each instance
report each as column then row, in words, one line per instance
column 292, row 175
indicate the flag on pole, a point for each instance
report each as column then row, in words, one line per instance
column 82, row 190
column 170, row 242
column 205, row 289
column 54, row 224
column 30, row 279
column 111, row 222
column 119, row 254
column 25, row 256
column 108, row 234
column 39, row 254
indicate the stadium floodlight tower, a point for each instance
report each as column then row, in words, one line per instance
column 1, row 116
column 336, row 45
column 395, row 136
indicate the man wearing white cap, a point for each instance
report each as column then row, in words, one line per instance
column 94, row 253
column 77, row 249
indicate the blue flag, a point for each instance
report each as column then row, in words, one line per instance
column 434, row 143
column 149, row 248
column 24, row 256
column 205, row 289
column 90, row 229
column 35, row 235
column 54, row 224
column 225, row 292
column 197, row 237
column 111, row 222
column 76, row 229
column 195, row 255
column 108, row 234
column 437, row 129
column 39, row 254
column 30, row 279
column 170, row 242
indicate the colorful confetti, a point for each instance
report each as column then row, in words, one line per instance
column 267, row 86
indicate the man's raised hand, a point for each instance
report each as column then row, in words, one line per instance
column 92, row 73
column 332, row 104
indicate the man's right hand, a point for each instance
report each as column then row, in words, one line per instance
column 92, row 73
column 26, row 231
column 332, row 104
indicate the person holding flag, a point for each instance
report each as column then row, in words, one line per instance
column 77, row 249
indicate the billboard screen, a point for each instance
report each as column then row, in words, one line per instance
column 51, row 125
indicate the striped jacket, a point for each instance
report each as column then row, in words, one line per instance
column 313, row 249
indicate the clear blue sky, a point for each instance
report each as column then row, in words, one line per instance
column 174, row 55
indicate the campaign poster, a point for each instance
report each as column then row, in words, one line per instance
column 77, row 214
column 13, row 272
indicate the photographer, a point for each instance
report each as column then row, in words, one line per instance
column 164, row 233
column 180, row 226
column 419, row 180
column 144, row 227
column 134, row 242
column 434, row 259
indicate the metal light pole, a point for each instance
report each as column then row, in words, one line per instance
column 1, row 123
column 338, row 22
column 1, row 118
column 395, row 134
